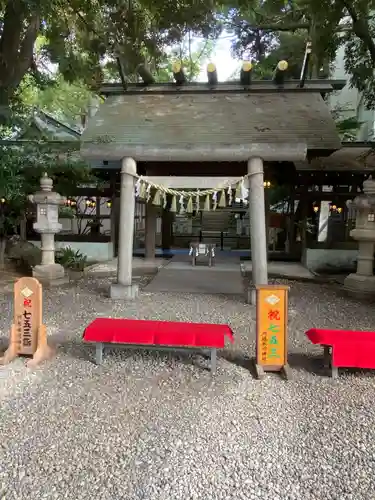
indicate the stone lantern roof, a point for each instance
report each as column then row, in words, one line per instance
column 366, row 201
column 46, row 196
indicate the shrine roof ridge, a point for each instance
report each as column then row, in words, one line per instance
column 256, row 86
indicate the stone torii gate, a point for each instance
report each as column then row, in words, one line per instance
column 150, row 129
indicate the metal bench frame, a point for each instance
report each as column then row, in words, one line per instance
column 327, row 360
column 100, row 346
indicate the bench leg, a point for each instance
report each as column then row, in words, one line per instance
column 213, row 361
column 99, row 353
column 326, row 356
column 328, row 362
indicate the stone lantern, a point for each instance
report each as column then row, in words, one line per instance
column 362, row 283
column 47, row 224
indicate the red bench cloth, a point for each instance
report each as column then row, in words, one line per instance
column 168, row 333
column 350, row 349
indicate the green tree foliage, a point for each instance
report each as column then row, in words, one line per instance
column 347, row 124
column 86, row 38
column 249, row 42
column 290, row 47
column 23, row 164
column 327, row 24
column 69, row 102
column 82, row 36
column 360, row 48
column 65, row 101
column 191, row 58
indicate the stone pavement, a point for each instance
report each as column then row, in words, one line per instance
column 178, row 275
column 156, row 426
column 226, row 276
column 279, row 269
column 140, row 266
column 181, row 276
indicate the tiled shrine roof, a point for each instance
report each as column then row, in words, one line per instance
column 356, row 157
column 146, row 123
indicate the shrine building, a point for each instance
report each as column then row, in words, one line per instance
column 198, row 137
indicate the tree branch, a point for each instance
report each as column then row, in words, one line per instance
column 276, row 26
column 199, row 56
column 294, row 27
column 360, row 28
column 287, row 27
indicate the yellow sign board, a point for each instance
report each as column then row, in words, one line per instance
column 272, row 321
column 28, row 335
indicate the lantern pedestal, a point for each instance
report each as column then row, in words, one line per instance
column 50, row 274
column 360, row 286
column 362, row 283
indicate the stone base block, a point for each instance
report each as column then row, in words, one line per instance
column 123, row 292
column 50, row 275
column 251, row 295
column 360, row 286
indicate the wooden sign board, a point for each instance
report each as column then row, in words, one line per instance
column 28, row 335
column 271, row 326
column 27, row 314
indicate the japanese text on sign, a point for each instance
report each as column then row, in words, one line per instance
column 27, row 333
column 27, row 314
column 271, row 325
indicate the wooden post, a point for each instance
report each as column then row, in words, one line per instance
column 267, row 209
column 291, row 226
column 97, row 215
column 28, row 336
column 150, row 231
column 271, row 330
column 114, row 213
column 166, row 227
column 304, row 209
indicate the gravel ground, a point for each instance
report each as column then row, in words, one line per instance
column 156, row 427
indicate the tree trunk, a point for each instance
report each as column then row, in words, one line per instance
column 313, row 70
column 19, row 33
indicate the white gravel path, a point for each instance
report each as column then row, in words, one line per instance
column 156, row 427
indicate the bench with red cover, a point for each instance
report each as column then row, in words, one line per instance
column 345, row 348
column 165, row 334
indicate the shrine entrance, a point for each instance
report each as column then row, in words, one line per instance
column 228, row 228
column 247, row 131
